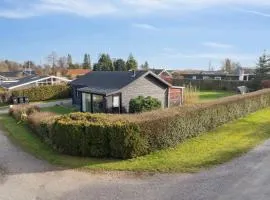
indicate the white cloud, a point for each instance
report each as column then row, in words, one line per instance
column 85, row 8
column 217, row 45
column 254, row 12
column 89, row 8
column 145, row 26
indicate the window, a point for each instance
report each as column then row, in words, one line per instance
column 194, row 77
column 77, row 93
column 98, row 104
column 116, row 101
column 206, row 77
column 217, row 78
column 86, row 102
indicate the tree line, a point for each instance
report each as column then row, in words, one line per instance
column 104, row 63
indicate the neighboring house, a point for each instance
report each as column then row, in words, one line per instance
column 13, row 75
column 218, row 75
column 164, row 74
column 75, row 73
column 32, row 81
column 111, row 92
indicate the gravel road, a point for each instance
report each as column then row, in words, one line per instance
column 23, row 177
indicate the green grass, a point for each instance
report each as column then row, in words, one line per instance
column 59, row 110
column 212, row 95
column 212, row 148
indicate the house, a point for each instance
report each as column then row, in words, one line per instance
column 13, row 75
column 218, row 75
column 75, row 73
column 32, row 81
column 111, row 92
column 164, row 74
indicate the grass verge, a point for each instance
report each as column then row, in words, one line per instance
column 213, row 95
column 59, row 110
column 215, row 147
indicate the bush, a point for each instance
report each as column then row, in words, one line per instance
column 41, row 123
column 21, row 112
column 85, row 134
column 129, row 136
column 143, row 104
column 42, row 93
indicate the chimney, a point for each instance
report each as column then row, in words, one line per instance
column 133, row 73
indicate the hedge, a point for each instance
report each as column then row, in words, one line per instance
column 129, row 136
column 42, row 93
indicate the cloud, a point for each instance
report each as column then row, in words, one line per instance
column 31, row 8
column 254, row 12
column 217, row 45
column 145, row 26
column 90, row 8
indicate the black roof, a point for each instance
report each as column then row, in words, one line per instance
column 12, row 74
column 107, row 82
column 21, row 81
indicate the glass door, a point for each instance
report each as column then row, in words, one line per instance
column 98, row 104
column 86, row 102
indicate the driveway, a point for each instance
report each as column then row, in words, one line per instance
column 23, row 177
column 66, row 102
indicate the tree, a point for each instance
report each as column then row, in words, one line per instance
column 263, row 66
column 229, row 66
column 69, row 61
column 62, row 62
column 131, row 63
column 145, row 66
column 52, row 59
column 119, row 65
column 86, row 62
column 104, row 63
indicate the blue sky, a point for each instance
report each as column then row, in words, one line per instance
column 176, row 34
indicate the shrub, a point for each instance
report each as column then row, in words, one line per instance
column 21, row 112
column 191, row 95
column 41, row 123
column 42, row 93
column 129, row 136
column 85, row 134
column 142, row 104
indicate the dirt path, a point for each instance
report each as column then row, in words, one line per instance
column 23, row 177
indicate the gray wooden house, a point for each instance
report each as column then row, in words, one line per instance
column 111, row 92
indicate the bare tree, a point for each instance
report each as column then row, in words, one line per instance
column 52, row 59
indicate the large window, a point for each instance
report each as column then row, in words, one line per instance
column 98, row 103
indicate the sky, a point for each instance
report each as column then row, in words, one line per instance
column 172, row 34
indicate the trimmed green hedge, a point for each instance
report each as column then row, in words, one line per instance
column 129, row 136
column 42, row 93
column 91, row 135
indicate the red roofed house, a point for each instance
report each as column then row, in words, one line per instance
column 75, row 73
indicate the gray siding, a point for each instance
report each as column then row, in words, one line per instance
column 144, row 86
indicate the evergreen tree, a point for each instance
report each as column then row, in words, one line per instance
column 86, row 62
column 263, row 66
column 145, row 66
column 69, row 62
column 131, row 63
column 119, row 65
column 104, row 63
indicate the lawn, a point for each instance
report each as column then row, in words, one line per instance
column 61, row 110
column 212, row 148
column 212, row 95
